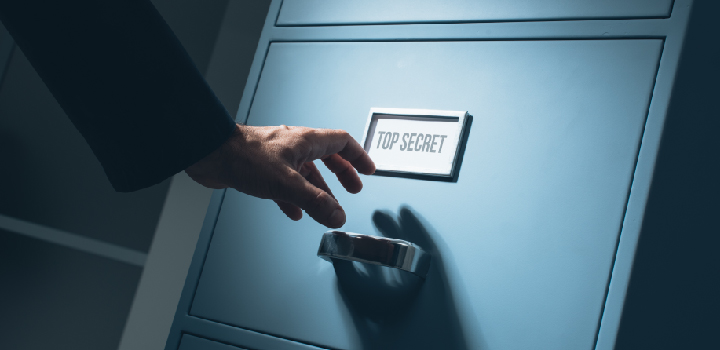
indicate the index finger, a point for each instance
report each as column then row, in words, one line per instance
column 329, row 142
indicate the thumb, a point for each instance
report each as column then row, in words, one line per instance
column 320, row 205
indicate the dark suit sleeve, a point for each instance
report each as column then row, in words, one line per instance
column 125, row 81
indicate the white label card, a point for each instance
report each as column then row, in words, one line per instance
column 414, row 141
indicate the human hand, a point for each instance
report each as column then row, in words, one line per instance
column 276, row 162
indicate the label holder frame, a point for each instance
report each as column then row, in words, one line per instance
column 463, row 120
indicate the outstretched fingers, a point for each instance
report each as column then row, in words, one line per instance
column 356, row 155
column 345, row 173
column 312, row 174
column 306, row 189
column 316, row 202
column 328, row 142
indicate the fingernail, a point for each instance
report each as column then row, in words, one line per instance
column 337, row 218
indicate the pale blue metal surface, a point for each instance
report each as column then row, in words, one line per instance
column 184, row 323
column 332, row 12
column 526, row 236
column 670, row 30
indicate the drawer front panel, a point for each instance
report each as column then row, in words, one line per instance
column 523, row 242
column 330, row 12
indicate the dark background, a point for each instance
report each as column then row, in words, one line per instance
column 55, row 297
column 673, row 301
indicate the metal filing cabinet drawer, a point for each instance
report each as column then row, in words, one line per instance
column 532, row 244
column 525, row 237
column 332, row 12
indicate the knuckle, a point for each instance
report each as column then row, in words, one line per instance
column 300, row 145
column 338, row 134
column 306, row 134
column 289, row 153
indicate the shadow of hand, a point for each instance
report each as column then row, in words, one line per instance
column 394, row 309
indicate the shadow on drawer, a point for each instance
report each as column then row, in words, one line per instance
column 394, row 309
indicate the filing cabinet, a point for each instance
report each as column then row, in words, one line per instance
column 532, row 242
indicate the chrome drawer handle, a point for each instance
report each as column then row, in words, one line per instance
column 375, row 250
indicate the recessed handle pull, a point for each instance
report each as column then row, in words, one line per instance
column 395, row 253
